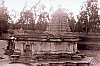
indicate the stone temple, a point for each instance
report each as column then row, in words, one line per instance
column 57, row 45
column 59, row 23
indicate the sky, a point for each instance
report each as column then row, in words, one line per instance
column 72, row 5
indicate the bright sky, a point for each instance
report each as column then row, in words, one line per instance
column 72, row 5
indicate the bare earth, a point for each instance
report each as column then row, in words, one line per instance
column 92, row 53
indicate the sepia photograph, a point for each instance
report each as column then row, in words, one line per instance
column 49, row 32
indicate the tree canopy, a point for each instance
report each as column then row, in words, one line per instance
column 36, row 18
column 4, row 18
column 26, row 20
column 88, row 17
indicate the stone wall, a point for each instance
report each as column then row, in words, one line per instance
column 53, row 47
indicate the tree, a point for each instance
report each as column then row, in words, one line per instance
column 36, row 8
column 82, row 22
column 35, row 18
column 4, row 18
column 42, row 21
column 78, row 27
column 40, row 15
column 27, row 20
column 13, row 19
column 72, row 22
column 88, row 16
column 92, row 10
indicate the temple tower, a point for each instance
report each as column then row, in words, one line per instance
column 59, row 23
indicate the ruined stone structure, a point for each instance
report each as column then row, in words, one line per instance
column 57, row 38
column 59, row 23
column 56, row 44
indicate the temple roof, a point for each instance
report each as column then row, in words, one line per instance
column 59, row 13
column 59, row 23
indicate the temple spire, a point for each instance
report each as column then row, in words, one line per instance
column 59, row 23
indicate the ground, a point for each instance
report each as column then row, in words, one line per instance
column 92, row 53
column 6, row 61
column 3, row 44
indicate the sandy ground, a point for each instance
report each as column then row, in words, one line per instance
column 3, row 44
column 92, row 53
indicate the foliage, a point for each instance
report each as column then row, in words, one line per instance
column 42, row 21
column 26, row 20
column 34, row 19
column 89, row 17
column 72, row 22
column 4, row 17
